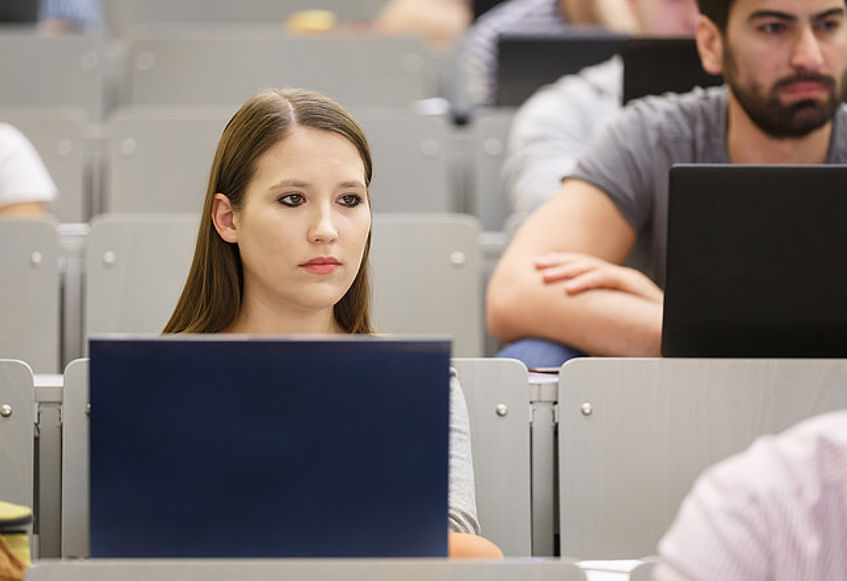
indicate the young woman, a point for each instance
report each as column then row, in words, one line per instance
column 283, row 248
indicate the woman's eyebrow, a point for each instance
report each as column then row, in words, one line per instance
column 289, row 184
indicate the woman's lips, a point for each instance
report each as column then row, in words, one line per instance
column 321, row 265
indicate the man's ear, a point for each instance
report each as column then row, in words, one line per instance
column 710, row 45
column 223, row 218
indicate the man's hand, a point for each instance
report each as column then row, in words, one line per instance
column 584, row 272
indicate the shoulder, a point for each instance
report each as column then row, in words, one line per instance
column 604, row 81
column 606, row 77
column 780, row 479
column 685, row 111
column 778, row 499
column 9, row 134
column 838, row 147
column 14, row 144
column 689, row 122
column 774, row 466
column 513, row 13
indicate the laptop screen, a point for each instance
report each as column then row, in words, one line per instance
column 653, row 66
column 19, row 11
column 756, row 261
column 213, row 446
column 526, row 62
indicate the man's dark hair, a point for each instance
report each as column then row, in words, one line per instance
column 717, row 11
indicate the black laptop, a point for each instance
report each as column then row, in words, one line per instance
column 527, row 62
column 652, row 66
column 221, row 446
column 756, row 261
column 19, row 12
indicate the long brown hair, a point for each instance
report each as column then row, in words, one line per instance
column 211, row 298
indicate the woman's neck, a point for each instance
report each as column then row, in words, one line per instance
column 257, row 318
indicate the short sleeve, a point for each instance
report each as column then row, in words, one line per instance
column 23, row 177
column 620, row 162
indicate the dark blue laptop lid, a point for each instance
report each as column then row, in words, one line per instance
column 212, row 446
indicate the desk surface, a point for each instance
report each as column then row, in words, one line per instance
column 308, row 570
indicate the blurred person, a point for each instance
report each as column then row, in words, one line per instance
column 26, row 188
column 557, row 123
column 478, row 58
column 70, row 16
column 441, row 22
column 776, row 512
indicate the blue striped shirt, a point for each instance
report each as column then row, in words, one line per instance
column 84, row 15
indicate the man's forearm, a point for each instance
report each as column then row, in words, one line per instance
column 598, row 322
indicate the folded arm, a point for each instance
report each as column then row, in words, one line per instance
column 559, row 279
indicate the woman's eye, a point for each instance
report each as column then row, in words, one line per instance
column 350, row 200
column 291, row 200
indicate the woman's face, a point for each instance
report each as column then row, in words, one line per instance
column 302, row 228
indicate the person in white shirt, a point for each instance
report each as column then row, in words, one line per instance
column 557, row 123
column 26, row 188
column 777, row 511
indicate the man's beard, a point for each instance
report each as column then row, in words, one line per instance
column 779, row 120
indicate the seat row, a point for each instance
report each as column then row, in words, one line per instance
column 157, row 159
column 124, row 273
column 591, row 462
column 211, row 65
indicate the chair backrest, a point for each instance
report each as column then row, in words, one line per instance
column 310, row 569
column 58, row 134
column 159, row 158
column 489, row 139
column 411, row 156
column 426, row 277
column 135, row 268
column 17, row 418
column 29, row 292
column 425, row 274
column 75, row 488
column 634, row 434
column 643, row 571
column 497, row 393
column 217, row 66
column 65, row 70
column 123, row 15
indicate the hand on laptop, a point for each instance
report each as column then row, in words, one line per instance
column 585, row 272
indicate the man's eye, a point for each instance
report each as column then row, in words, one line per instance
column 827, row 25
column 350, row 200
column 291, row 200
column 772, row 27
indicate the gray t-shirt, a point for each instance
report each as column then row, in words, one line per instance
column 631, row 159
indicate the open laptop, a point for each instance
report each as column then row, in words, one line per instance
column 222, row 446
column 19, row 12
column 652, row 66
column 526, row 62
column 756, row 261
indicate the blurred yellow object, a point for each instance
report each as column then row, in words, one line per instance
column 15, row 556
column 311, row 21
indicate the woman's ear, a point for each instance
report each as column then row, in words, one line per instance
column 223, row 218
column 709, row 45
